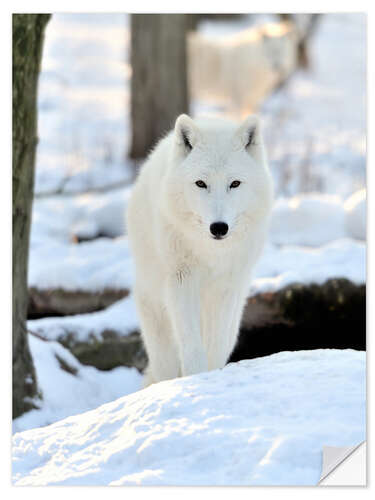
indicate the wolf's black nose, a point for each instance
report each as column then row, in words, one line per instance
column 219, row 229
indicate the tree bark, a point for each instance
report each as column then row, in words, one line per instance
column 159, row 90
column 28, row 31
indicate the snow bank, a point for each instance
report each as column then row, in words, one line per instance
column 311, row 219
column 257, row 422
column 65, row 218
column 120, row 317
column 65, row 393
column 95, row 265
column 314, row 219
column 57, row 261
column 311, row 241
column 281, row 266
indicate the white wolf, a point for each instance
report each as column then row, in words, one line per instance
column 197, row 220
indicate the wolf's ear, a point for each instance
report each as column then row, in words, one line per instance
column 249, row 132
column 249, row 137
column 186, row 133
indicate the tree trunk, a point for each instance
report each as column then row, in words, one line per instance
column 159, row 77
column 28, row 32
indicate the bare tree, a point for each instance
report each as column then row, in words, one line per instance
column 28, row 32
column 159, row 90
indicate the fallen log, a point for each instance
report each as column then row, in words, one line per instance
column 304, row 317
column 297, row 317
column 60, row 302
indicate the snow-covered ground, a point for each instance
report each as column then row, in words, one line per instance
column 240, row 425
column 316, row 125
column 84, row 103
column 281, row 266
column 71, row 392
column 256, row 422
column 102, row 263
column 121, row 317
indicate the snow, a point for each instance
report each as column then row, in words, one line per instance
column 64, row 393
column 121, row 318
column 93, row 266
column 236, row 426
column 84, row 112
column 65, row 218
column 310, row 219
column 281, row 266
column 56, row 260
column 315, row 126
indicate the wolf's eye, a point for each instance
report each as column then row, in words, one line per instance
column 235, row 184
column 201, row 184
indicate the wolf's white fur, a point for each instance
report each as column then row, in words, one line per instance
column 191, row 288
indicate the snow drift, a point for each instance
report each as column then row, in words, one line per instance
column 68, row 387
column 256, row 422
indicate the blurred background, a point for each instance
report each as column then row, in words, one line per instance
column 110, row 86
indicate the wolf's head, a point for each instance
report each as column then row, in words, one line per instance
column 218, row 183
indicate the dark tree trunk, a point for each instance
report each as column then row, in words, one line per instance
column 28, row 30
column 159, row 77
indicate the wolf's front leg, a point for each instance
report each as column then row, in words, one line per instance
column 221, row 320
column 156, row 330
column 184, row 309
